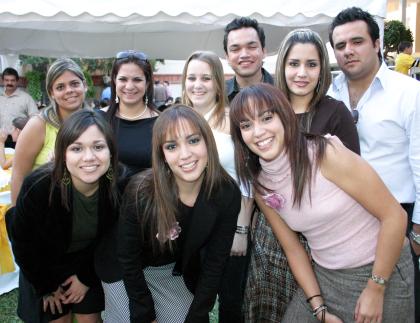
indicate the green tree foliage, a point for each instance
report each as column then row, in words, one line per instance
column 34, row 79
column 394, row 33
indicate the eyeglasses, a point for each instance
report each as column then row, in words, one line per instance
column 132, row 53
column 355, row 114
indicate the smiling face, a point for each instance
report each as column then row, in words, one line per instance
column 185, row 153
column 302, row 69
column 87, row 159
column 356, row 53
column 199, row 85
column 263, row 133
column 244, row 52
column 68, row 92
column 130, row 84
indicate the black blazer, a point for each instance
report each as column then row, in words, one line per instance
column 41, row 234
column 205, row 252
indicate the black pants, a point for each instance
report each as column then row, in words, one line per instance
column 231, row 292
column 408, row 207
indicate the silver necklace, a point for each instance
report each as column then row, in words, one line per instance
column 135, row 117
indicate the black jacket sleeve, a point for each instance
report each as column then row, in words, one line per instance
column 24, row 224
column 130, row 256
column 216, row 255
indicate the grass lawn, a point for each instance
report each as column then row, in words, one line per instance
column 8, row 304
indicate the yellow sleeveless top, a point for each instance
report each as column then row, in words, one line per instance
column 47, row 150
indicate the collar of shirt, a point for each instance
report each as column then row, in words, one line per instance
column 15, row 93
column 379, row 82
column 232, row 86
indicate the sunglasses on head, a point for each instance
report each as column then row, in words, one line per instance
column 355, row 114
column 132, row 53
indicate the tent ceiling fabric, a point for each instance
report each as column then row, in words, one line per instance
column 162, row 29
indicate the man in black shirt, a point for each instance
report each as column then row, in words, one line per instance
column 244, row 45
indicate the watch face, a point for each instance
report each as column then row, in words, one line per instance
column 415, row 236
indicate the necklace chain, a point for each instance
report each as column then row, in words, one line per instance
column 135, row 117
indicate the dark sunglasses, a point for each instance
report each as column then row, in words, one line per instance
column 355, row 114
column 131, row 53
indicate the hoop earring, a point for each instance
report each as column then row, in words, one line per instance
column 117, row 99
column 110, row 173
column 66, row 180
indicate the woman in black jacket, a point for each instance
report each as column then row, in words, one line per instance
column 61, row 211
column 178, row 223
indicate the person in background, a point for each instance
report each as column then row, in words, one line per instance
column 168, row 89
column 18, row 124
column 203, row 89
column 404, row 59
column 14, row 102
column 386, row 105
column 104, row 103
column 160, row 95
column 360, row 269
column 177, row 224
column 61, row 211
column 244, row 45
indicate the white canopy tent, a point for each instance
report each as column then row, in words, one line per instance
column 162, row 29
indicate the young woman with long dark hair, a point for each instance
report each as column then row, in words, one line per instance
column 177, row 224
column 362, row 268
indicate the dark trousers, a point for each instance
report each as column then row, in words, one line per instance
column 408, row 207
column 231, row 293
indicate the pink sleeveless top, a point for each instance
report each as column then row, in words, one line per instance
column 340, row 232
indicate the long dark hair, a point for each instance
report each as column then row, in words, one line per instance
column 154, row 193
column 265, row 97
column 147, row 69
column 72, row 129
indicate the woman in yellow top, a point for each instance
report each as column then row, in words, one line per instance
column 404, row 60
column 66, row 88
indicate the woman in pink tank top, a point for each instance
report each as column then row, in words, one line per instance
column 361, row 269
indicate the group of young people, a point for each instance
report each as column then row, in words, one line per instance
column 147, row 217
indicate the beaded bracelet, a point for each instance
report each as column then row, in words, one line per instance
column 321, row 308
column 242, row 229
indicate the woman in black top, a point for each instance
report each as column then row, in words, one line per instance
column 177, row 224
column 131, row 111
column 303, row 74
column 61, row 211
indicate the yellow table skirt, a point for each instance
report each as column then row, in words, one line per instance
column 6, row 258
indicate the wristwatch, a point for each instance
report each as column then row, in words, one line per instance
column 415, row 237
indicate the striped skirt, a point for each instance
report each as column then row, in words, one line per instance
column 171, row 297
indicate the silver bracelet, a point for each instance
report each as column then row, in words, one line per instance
column 319, row 309
column 378, row 279
column 242, row 229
